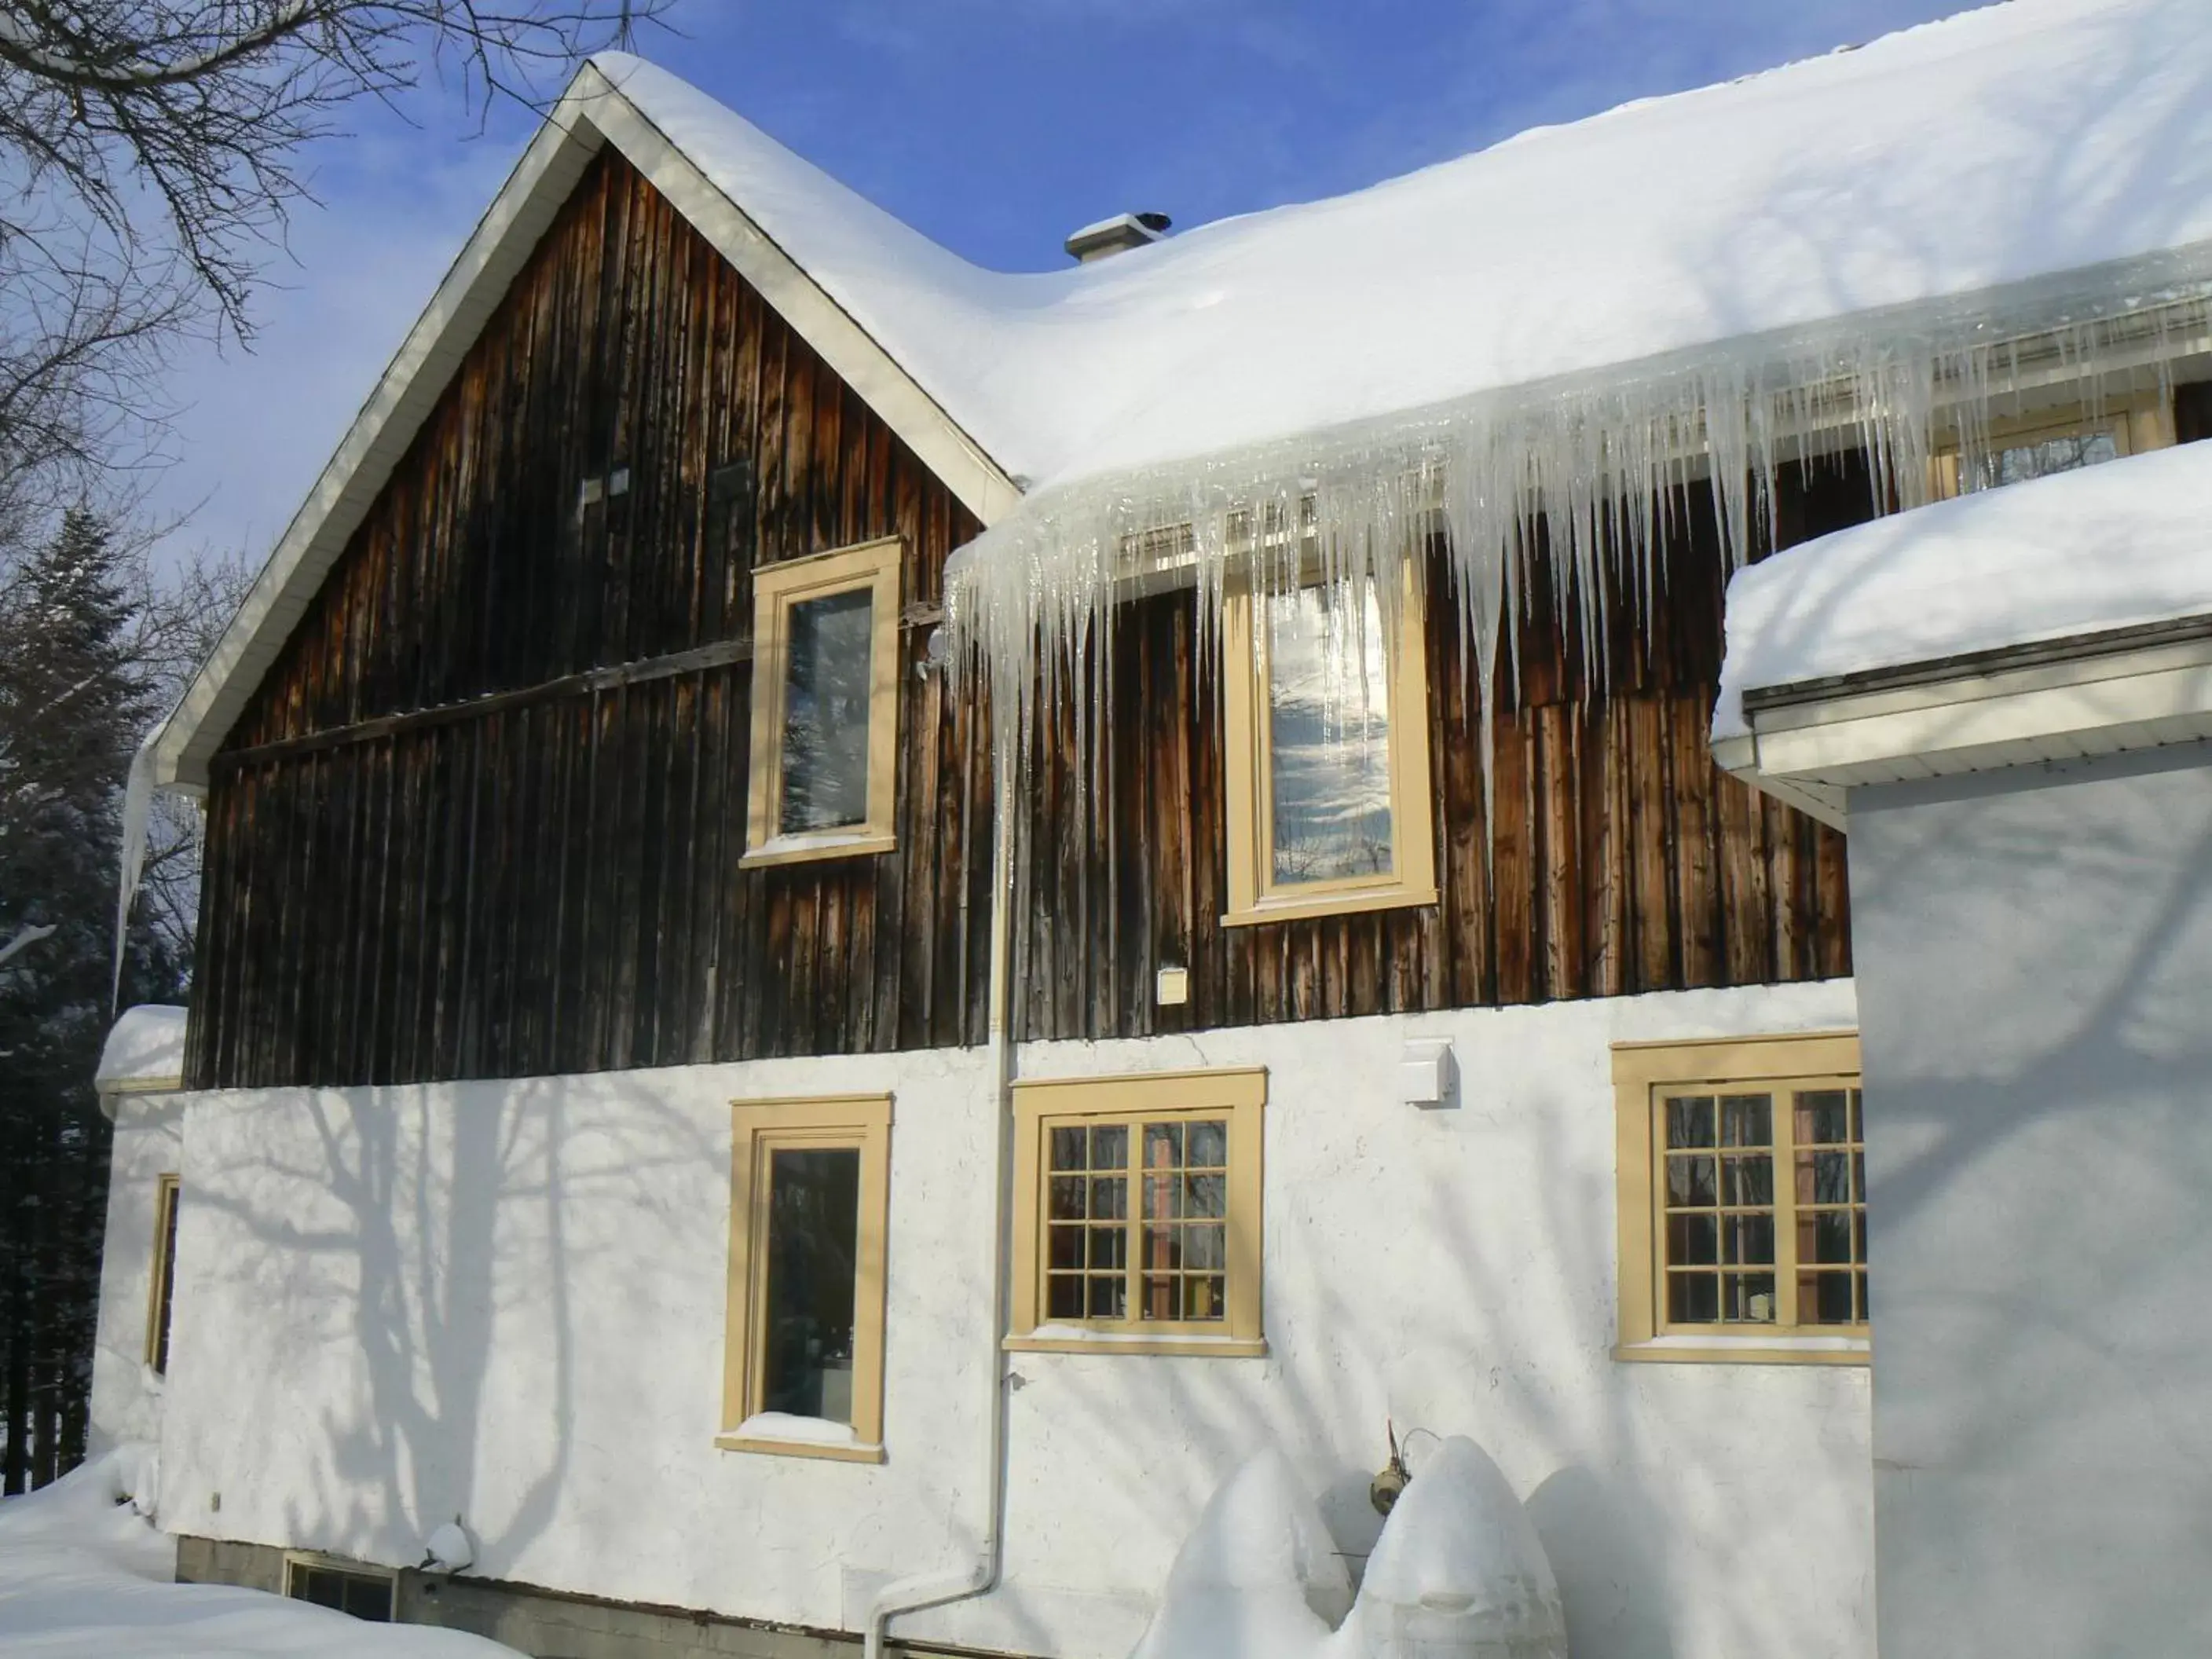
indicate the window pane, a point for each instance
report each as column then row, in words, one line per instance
column 1747, row 1181
column 1067, row 1149
column 1692, row 1241
column 1824, row 1298
column 1163, row 1146
column 1748, row 1240
column 1110, row 1248
column 1823, row 1118
column 1206, row 1195
column 1110, row 1197
column 1748, row 1298
column 1825, row 1238
column 1824, row 1177
column 1328, row 726
column 168, row 1269
column 1747, row 1121
column 368, row 1599
column 1063, row 1297
column 1209, row 1146
column 1066, row 1197
column 1690, row 1121
column 2064, row 454
column 825, row 711
column 1692, row 1298
column 813, row 1237
column 1689, row 1180
column 1203, row 1298
column 1109, row 1147
column 1204, row 1247
column 1065, row 1249
column 1109, row 1298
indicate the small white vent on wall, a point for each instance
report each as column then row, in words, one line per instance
column 1427, row 1075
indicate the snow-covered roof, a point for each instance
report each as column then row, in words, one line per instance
column 2048, row 149
column 1993, row 147
column 144, row 1053
column 2064, row 617
column 2116, row 546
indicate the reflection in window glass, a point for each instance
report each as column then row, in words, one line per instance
column 2066, row 453
column 1328, row 726
column 825, row 713
column 813, row 1241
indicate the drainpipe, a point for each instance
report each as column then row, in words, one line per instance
column 936, row 1588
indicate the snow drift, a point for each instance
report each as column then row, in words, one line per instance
column 1459, row 1573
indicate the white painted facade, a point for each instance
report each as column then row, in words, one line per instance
column 2033, row 946
column 148, row 1144
column 505, row 1301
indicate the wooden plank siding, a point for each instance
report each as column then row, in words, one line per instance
column 541, row 877
column 482, row 817
column 1621, row 859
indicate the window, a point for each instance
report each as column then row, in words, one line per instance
column 1137, row 1221
column 2061, row 442
column 825, row 705
column 1327, row 704
column 1742, row 1179
column 161, row 1288
column 810, row 1199
column 348, row 1587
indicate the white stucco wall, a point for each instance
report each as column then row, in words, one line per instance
column 148, row 1144
column 505, row 1301
column 2034, row 948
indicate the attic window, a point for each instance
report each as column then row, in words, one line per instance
column 1327, row 696
column 825, row 705
column 2066, row 441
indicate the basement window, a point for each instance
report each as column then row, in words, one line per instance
column 1326, row 695
column 824, row 705
column 161, row 1286
column 346, row 1587
column 1138, row 1224
column 1743, row 1213
column 803, row 1367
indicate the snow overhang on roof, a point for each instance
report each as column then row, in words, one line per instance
column 2067, row 616
column 144, row 1053
column 1868, row 248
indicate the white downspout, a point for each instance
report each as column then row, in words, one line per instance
column 936, row 1588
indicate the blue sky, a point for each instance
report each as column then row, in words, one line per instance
column 995, row 126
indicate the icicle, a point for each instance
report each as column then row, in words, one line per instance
column 1595, row 464
column 138, row 811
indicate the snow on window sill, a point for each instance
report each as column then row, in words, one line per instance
column 779, row 1433
column 1079, row 1339
column 836, row 844
column 1762, row 1350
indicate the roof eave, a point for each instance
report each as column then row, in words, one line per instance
column 593, row 112
column 2110, row 692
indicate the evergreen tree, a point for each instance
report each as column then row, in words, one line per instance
column 73, row 704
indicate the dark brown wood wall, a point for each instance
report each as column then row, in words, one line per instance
column 548, row 881
column 1622, row 859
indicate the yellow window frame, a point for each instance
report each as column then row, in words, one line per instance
column 1645, row 1074
column 2137, row 423
column 1255, row 896
column 162, row 1276
column 1235, row 1095
column 777, row 588
column 759, row 1128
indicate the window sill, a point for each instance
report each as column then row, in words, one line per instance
column 1748, row 1351
column 1139, row 1342
column 803, row 849
column 835, row 1453
column 1342, row 903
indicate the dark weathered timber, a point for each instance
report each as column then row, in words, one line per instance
column 1619, row 858
column 482, row 817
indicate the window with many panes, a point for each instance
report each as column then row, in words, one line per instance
column 804, row 1339
column 1326, row 699
column 1743, row 1215
column 1139, row 1212
column 824, row 705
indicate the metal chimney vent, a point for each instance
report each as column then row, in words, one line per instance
column 1117, row 235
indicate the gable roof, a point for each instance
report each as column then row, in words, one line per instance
column 2028, row 140
column 1995, row 147
column 595, row 112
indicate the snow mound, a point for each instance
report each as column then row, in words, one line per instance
column 1258, row 1576
column 1458, row 1572
column 2112, row 546
column 145, row 1047
column 84, row 1574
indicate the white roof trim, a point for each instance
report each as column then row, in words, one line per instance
column 593, row 112
column 2106, row 693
